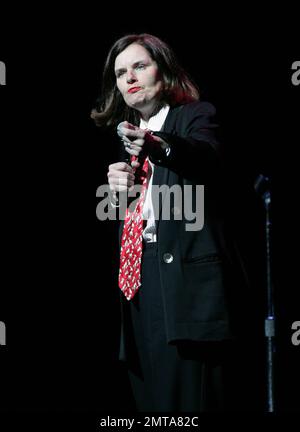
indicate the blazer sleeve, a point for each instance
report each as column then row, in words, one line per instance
column 193, row 145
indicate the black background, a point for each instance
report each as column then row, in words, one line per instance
column 59, row 298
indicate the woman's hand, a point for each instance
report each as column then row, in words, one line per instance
column 136, row 140
column 120, row 177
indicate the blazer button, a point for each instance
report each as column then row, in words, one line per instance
column 168, row 258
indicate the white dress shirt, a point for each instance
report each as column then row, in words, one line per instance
column 155, row 123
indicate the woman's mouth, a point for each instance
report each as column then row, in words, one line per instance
column 134, row 89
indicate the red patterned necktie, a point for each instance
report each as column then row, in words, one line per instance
column 132, row 239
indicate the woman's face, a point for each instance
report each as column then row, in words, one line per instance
column 138, row 79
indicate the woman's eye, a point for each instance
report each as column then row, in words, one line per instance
column 119, row 74
column 140, row 66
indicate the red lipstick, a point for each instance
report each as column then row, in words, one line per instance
column 134, row 89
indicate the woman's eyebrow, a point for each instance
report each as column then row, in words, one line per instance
column 120, row 70
column 133, row 65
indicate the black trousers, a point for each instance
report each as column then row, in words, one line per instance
column 184, row 377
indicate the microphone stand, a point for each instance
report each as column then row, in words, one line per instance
column 262, row 187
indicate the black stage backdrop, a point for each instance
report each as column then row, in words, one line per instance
column 59, row 295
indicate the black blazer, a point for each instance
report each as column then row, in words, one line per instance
column 205, row 279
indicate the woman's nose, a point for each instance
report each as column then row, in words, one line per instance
column 131, row 77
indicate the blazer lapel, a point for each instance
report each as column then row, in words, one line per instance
column 161, row 174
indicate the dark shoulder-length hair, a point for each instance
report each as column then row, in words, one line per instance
column 178, row 88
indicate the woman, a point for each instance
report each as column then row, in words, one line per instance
column 183, row 285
